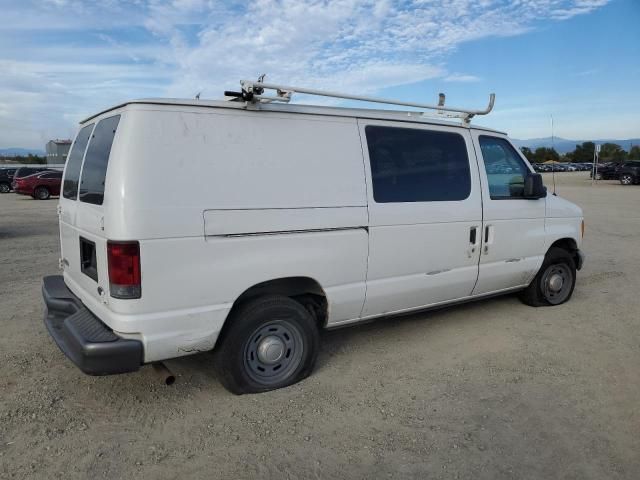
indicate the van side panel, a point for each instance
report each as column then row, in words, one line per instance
column 174, row 165
column 223, row 200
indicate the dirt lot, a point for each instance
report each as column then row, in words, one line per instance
column 487, row 390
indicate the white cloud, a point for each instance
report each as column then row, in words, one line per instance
column 460, row 77
column 118, row 49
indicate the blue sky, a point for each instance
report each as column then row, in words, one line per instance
column 578, row 60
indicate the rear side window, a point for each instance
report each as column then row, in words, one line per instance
column 74, row 163
column 410, row 165
column 94, row 171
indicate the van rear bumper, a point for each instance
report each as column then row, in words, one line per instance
column 82, row 337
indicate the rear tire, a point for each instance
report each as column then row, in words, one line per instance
column 554, row 282
column 41, row 193
column 5, row 188
column 626, row 179
column 268, row 343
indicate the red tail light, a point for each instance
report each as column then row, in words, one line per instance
column 124, row 269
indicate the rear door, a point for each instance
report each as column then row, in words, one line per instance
column 83, row 240
column 425, row 215
column 67, row 206
column 513, row 234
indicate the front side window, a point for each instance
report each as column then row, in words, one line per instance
column 505, row 169
column 411, row 165
column 74, row 163
column 94, row 171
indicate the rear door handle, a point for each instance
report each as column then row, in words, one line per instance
column 488, row 237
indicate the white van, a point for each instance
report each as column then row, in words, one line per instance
column 246, row 226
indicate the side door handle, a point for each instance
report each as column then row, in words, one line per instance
column 474, row 240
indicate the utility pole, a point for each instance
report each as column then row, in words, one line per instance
column 596, row 156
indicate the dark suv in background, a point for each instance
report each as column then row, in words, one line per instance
column 6, row 177
column 607, row 171
column 629, row 173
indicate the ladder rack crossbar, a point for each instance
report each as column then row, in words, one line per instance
column 255, row 90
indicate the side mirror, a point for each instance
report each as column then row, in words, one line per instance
column 533, row 187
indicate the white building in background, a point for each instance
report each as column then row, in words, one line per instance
column 57, row 151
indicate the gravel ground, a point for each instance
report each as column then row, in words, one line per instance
column 488, row 390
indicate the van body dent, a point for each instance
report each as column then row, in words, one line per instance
column 177, row 216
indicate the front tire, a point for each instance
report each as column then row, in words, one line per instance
column 41, row 193
column 554, row 282
column 626, row 179
column 270, row 342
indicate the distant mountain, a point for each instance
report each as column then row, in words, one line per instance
column 562, row 145
column 12, row 152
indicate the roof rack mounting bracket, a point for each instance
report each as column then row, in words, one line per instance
column 253, row 92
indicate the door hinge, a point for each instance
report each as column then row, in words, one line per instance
column 60, row 264
column 59, row 209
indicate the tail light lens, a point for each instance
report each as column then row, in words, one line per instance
column 124, row 269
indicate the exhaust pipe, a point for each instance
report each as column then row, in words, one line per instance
column 163, row 373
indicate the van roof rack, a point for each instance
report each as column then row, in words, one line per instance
column 253, row 92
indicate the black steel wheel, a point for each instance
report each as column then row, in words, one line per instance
column 273, row 352
column 267, row 343
column 557, row 283
column 554, row 282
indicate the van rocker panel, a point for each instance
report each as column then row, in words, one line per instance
column 82, row 337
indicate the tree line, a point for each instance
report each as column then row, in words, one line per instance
column 23, row 159
column 609, row 152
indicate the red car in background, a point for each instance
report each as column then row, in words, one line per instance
column 40, row 186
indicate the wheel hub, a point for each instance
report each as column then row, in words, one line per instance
column 555, row 282
column 270, row 349
column 273, row 352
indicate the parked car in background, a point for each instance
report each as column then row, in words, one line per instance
column 40, row 186
column 25, row 172
column 6, row 177
column 629, row 173
column 607, row 171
